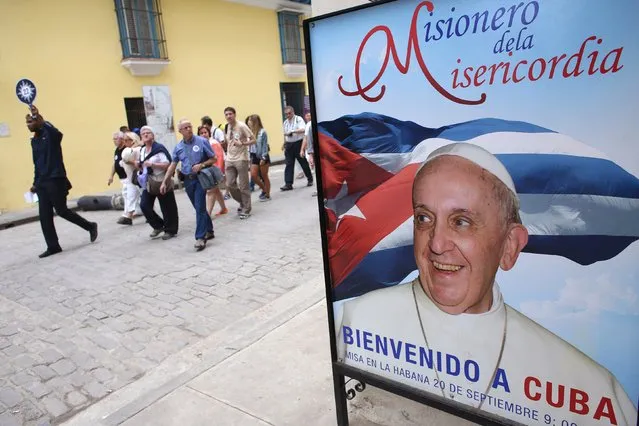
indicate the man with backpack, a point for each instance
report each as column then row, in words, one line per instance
column 216, row 132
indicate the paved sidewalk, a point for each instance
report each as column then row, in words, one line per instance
column 271, row 368
column 82, row 324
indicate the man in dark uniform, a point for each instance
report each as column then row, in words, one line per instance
column 50, row 181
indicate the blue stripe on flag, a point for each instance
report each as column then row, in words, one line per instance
column 376, row 133
column 567, row 174
column 583, row 249
column 385, row 268
column 472, row 129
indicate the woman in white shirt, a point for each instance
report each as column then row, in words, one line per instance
column 131, row 192
column 154, row 161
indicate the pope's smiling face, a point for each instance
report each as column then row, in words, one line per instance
column 460, row 238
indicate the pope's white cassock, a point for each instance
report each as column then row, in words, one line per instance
column 525, row 370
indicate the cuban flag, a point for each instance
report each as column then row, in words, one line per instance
column 575, row 202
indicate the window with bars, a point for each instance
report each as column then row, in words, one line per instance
column 141, row 29
column 290, row 24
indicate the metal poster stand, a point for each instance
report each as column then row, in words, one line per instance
column 348, row 381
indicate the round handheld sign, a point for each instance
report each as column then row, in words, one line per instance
column 26, row 91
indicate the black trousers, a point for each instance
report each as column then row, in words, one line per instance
column 292, row 153
column 52, row 195
column 169, row 222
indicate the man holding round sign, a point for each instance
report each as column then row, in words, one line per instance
column 50, row 179
column 26, row 91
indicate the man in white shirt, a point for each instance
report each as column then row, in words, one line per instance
column 450, row 333
column 307, row 144
column 216, row 132
column 294, row 128
column 307, row 151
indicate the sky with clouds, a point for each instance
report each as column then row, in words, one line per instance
column 594, row 307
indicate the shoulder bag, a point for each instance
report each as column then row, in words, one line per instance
column 211, row 176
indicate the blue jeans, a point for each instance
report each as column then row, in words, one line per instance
column 197, row 195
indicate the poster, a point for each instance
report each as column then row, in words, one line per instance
column 4, row 130
column 525, row 308
column 159, row 114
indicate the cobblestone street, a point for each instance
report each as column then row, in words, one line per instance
column 82, row 324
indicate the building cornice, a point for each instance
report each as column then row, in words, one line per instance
column 144, row 67
column 304, row 9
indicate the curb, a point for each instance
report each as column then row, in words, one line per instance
column 73, row 206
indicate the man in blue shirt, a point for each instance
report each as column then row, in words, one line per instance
column 195, row 153
column 50, row 182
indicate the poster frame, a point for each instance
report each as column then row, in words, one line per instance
column 340, row 370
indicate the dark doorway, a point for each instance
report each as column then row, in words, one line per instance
column 293, row 95
column 135, row 115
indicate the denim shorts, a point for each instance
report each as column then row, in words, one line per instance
column 256, row 161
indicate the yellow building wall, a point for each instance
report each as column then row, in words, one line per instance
column 221, row 54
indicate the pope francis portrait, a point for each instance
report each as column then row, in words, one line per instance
column 450, row 333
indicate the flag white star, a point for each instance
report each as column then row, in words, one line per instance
column 355, row 212
column 344, row 204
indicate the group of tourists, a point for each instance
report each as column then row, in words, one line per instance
column 211, row 159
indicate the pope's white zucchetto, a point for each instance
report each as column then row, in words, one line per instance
column 478, row 155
